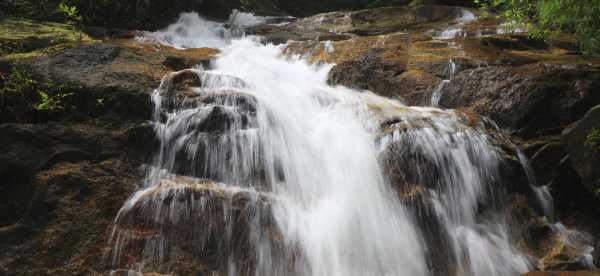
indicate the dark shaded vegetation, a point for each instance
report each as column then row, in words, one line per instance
column 22, row 98
column 550, row 17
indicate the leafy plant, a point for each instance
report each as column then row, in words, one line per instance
column 51, row 103
column 20, row 93
column 543, row 17
column 73, row 18
column 581, row 17
column 593, row 140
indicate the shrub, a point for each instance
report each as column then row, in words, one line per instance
column 580, row 17
column 593, row 140
column 21, row 94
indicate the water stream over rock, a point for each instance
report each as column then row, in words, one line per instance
column 265, row 169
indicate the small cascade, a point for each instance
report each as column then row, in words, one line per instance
column 511, row 27
column 450, row 174
column 457, row 29
column 580, row 242
column 542, row 193
column 449, row 73
column 437, row 93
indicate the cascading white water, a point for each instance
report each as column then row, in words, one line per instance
column 332, row 200
column 456, row 30
column 270, row 129
column 449, row 73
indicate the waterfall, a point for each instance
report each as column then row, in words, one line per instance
column 449, row 73
column 264, row 169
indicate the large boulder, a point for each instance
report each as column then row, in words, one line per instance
column 531, row 100
column 63, row 230
column 108, row 79
column 61, row 187
column 199, row 222
column 583, row 144
column 369, row 72
column 119, row 66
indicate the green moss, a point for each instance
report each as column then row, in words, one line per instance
column 593, row 140
column 22, row 38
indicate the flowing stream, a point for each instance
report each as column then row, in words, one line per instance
column 264, row 169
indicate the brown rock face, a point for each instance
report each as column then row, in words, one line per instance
column 345, row 25
column 66, row 184
column 200, row 220
column 369, row 72
column 532, row 100
column 584, row 150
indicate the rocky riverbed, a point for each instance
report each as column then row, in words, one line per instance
column 75, row 136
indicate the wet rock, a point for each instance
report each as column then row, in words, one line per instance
column 532, row 231
column 197, row 219
column 370, row 72
column 104, row 33
column 563, row 257
column 418, row 167
column 184, row 81
column 403, row 167
column 514, row 42
column 546, row 161
column 570, row 195
column 142, row 137
column 556, row 247
column 344, row 25
column 63, row 229
column 21, row 37
column 109, row 80
column 178, row 63
column 27, row 149
column 182, row 84
column 127, row 67
column 100, row 66
column 585, row 157
column 295, row 31
column 61, row 187
column 531, row 100
column 16, row 191
column 386, row 20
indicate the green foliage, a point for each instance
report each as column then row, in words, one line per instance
column 71, row 13
column 20, row 94
column 579, row 16
column 51, row 103
column 517, row 10
column 593, row 140
column 543, row 17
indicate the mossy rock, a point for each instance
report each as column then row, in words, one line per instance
column 21, row 38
